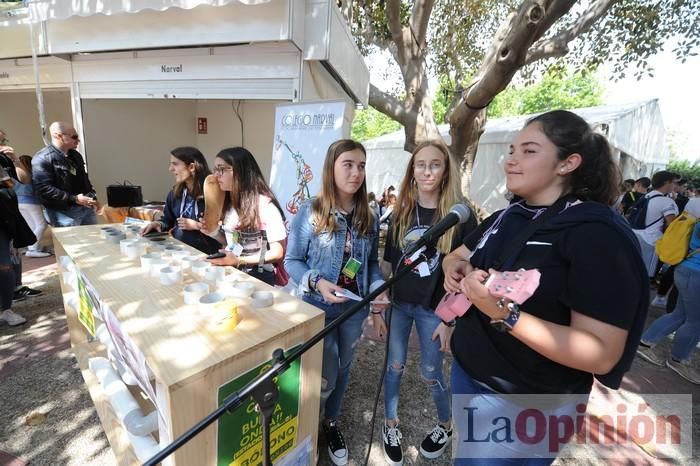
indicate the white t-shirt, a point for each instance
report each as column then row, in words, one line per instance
column 271, row 223
column 657, row 208
column 693, row 207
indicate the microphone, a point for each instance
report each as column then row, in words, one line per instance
column 459, row 213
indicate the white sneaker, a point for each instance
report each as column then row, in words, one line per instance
column 12, row 318
column 659, row 301
column 36, row 254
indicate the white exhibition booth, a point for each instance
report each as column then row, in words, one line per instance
column 140, row 77
column 635, row 131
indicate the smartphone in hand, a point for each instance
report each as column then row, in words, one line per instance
column 216, row 255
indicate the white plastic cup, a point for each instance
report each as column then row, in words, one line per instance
column 199, row 267
column 171, row 248
column 262, row 299
column 115, row 236
column 104, row 231
column 132, row 250
column 226, row 283
column 208, row 302
column 194, row 291
column 147, row 260
column 179, row 254
column 124, row 243
column 242, row 289
column 214, row 273
column 170, row 275
column 156, row 266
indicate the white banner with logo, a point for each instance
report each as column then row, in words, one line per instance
column 303, row 132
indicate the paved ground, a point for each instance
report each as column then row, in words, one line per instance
column 40, row 384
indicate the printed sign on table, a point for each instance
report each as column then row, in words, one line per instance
column 239, row 436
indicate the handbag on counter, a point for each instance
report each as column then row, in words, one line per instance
column 124, row 195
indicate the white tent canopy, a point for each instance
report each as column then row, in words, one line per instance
column 635, row 131
column 42, row 10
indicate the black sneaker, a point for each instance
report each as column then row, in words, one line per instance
column 435, row 443
column 25, row 292
column 336, row 443
column 392, row 445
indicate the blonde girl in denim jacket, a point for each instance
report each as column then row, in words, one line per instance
column 332, row 247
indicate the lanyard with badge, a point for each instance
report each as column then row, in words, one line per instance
column 352, row 266
column 185, row 207
column 423, row 267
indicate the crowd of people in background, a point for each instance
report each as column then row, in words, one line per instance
column 566, row 203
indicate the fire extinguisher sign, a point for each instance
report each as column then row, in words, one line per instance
column 201, row 125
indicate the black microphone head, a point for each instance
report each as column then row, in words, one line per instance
column 462, row 211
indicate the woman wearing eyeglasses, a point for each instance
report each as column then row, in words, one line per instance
column 252, row 227
column 184, row 205
column 429, row 189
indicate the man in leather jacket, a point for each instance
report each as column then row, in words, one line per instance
column 60, row 179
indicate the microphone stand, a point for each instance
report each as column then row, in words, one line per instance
column 263, row 389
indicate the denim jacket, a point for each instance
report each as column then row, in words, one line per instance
column 308, row 252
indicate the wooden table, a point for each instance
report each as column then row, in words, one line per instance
column 119, row 214
column 189, row 362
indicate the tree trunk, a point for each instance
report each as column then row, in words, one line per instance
column 507, row 54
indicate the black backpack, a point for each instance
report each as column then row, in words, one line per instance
column 637, row 215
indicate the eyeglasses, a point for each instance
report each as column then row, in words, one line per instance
column 219, row 171
column 433, row 167
column 74, row 137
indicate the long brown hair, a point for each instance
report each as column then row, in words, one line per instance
column 189, row 155
column 248, row 184
column 324, row 205
column 405, row 207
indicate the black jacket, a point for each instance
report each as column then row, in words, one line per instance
column 59, row 178
column 11, row 221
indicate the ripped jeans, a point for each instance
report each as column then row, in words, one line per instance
column 338, row 352
column 403, row 316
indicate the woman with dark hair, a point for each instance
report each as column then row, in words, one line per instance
column 184, row 205
column 585, row 318
column 253, row 222
column 333, row 249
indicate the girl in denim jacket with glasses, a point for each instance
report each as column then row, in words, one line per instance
column 333, row 246
column 429, row 190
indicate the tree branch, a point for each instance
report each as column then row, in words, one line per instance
column 393, row 15
column 503, row 59
column 420, row 17
column 388, row 105
column 558, row 46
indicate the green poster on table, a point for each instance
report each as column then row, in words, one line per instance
column 239, row 437
column 85, row 307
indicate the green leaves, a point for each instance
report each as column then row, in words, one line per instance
column 558, row 89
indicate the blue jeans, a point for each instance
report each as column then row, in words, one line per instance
column 463, row 384
column 338, row 351
column 402, row 318
column 71, row 217
column 685, row 318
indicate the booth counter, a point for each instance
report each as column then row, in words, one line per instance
column 175, row 364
